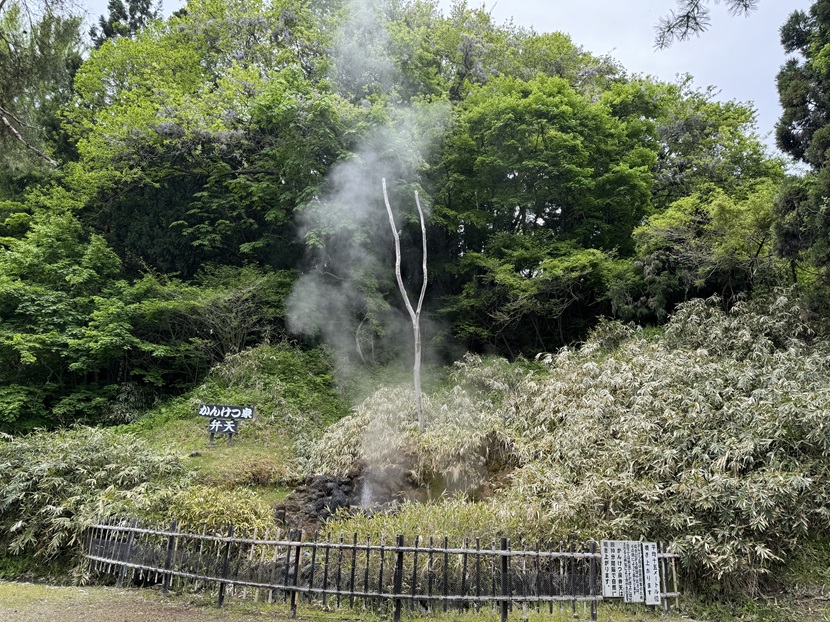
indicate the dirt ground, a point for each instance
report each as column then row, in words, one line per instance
column 27, row 602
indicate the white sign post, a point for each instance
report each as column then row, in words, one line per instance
column 613, row 552
column 633, row 564
column 651, row 573
column 630, row 570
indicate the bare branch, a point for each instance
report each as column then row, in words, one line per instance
column 414, row 314
column 17, row 120
column 26, row 143
column 424, row 239
column 408, row 304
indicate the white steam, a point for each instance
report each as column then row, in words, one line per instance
column 345, row 228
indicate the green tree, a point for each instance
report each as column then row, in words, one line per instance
column 804, row 86
column 708, row 243
column 538, row 188
column 40, row 50
column 199, row 137
column 447, row 55
column 77, row 338
column 803, row 224
column 124, row 20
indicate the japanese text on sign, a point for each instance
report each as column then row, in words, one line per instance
column 651, row 573
column 223, row 426
column 633, row 564
column 631, row 571
column 218, row 411
column 612, row 568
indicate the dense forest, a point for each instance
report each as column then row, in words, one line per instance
column 176, row 190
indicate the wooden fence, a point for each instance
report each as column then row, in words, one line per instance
column 423, row 574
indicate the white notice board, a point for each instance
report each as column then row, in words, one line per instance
column 613, row 552
column 633, row 573
column 651, row 573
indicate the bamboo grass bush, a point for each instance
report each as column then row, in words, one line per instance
column 57, row 483
column 211, row 507
column 714, row 436
column 464, row 429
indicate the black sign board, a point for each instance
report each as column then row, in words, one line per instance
column 222, row 411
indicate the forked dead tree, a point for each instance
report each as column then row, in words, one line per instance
column 414, row 314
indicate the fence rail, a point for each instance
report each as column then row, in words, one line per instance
column 424, row 574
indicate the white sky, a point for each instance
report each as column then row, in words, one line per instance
column 740, row 56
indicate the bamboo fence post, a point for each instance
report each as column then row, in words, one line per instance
column 366, row 573
column 226, row 564
column 592, row 578
column 561, row 578
column 675, row 585
column 446, row 572
column 581, row 564
column 144, row 574
column 156, row 529
column 537, row 587
column 571, row 564
column 339, row 567
column 168, row 558
column 240, row 555
column 108, row 538
column 113, row 538
column 505, row 589
column 273, row 579
column 664, row 577
column 478, row 574
column 287, row 566
column 353, row 572
column 260, row 570
column 293, row 610
column 523, row 581
column 313, row 564
column 250, row 558
column 127, row 553
column 397, row 582
column 464, row 574
column 380, row 572
column 430, row 572
column 326, row 568
column 414, row 573
column 493, row 576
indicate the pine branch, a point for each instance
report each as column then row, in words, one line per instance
column 692, row 18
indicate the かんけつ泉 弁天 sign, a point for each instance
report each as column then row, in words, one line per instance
column 222, row 411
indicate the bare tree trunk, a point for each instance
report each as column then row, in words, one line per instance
column 414, row 314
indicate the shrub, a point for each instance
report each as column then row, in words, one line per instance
column 212, row 507
column 713, row 436
column 291, row 388
column 464, row 430
column 56, row 484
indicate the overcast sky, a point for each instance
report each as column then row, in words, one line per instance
column 740, row 56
